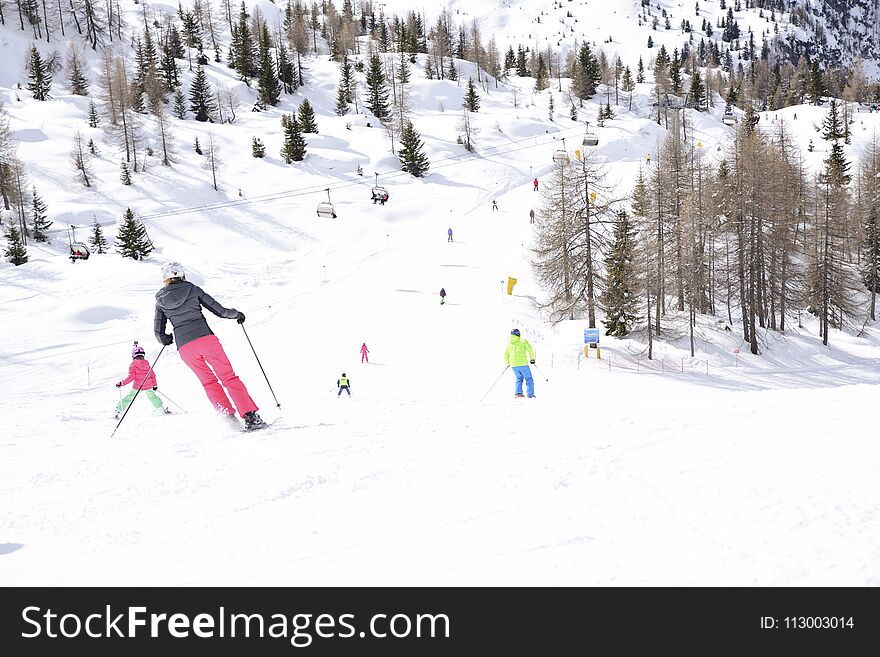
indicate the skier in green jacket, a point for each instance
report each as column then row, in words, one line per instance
column 518, row 355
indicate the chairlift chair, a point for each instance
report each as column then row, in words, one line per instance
column 380, row 192
column 326, row 211
column 590, row 139
column 79, row 251
column 325, row 208
column 560, row 157
column 728, row 119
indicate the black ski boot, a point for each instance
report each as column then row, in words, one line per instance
column 252, row 421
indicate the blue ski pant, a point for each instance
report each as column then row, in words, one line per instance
column 523, row 372
column 341, row 388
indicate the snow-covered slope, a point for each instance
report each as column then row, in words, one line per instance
column 724, row 469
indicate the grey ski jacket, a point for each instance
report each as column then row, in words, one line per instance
column 181, row 303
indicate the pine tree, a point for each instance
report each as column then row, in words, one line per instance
column 509, row 59
column 471, row 97
column 307, row 121
column 179, row 104
column 79, row 83
column 243, row 46
column 16, row 252
column 132, row 239
column 541, row 77
column 640, row 72
column 124, row 173
column 573, row 112
column 412, row 159
column 587, row 73
column 551, row 107
column 628, row 85
column 832, row 130
column 346, row 81
column 93, row 114
column 815, row 87
column 341, row 108
column 197, row 147
column 377, row 89
column 697, row 94
column 97, row 240
column 41, row 222
column 268, row 86
column 258, row 148
column 521, row 68
column 293, row 147
column 93, row 148
column 452, row 73
column 200, row 97
column 286, row 70
column 675, row 73
column 38, row 73
column 168, row 66
column 620, row 298
column 403, row 72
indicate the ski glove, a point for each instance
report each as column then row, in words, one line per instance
column 119, row 385
column 155, row 387
column 166, row 339
column 240, row 317
column 532, row 361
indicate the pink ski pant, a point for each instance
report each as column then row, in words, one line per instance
column 205, row 357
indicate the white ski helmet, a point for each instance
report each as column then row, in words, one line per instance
column 172, row 269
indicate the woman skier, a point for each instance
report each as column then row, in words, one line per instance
column 181, row 302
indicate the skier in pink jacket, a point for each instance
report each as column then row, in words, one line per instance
column 364, row 352
column 141, row 378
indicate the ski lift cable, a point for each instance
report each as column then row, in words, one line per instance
column 306, row 191
column 501, row 149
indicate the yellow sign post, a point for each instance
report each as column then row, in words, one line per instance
column 511, row 281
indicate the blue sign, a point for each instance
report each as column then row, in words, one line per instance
column 591, row 336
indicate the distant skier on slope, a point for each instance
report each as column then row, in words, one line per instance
column 442, row 296
column 535, row 183
column 138, row 377
column 364, row 352
column 449, row 235
column 517, row 356
column 344, row 383
column 181, row 302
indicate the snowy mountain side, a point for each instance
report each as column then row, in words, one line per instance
column 721, row 467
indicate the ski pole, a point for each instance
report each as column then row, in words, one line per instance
column 506, row 367
column 546, row 378
column 138, row 391
column 167, row 398
column 277, row 403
